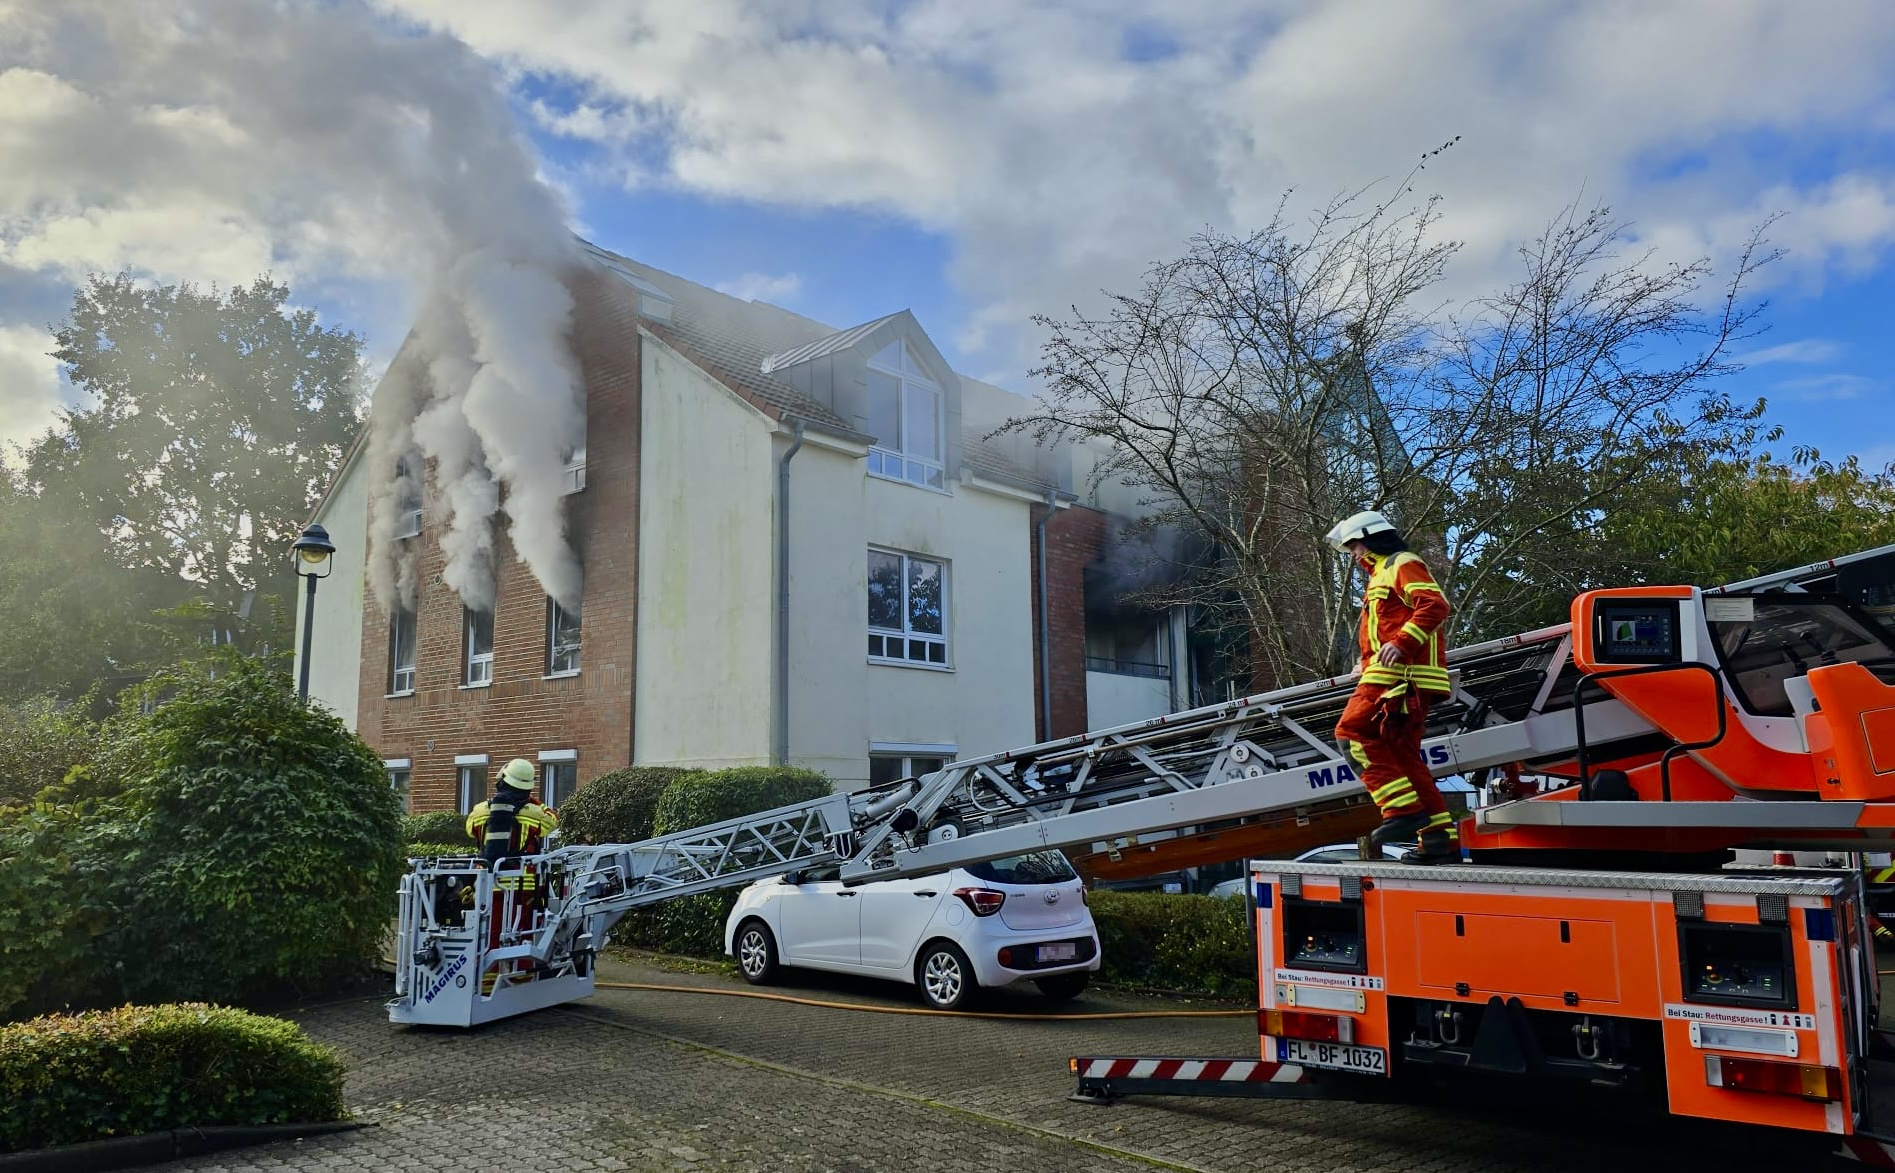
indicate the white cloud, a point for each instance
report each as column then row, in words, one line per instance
column 1821, row 388
column 777, row 288
column 29, row 387
column 1803, row 350
column 1059, row 163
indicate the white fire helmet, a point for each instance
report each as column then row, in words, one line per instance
column 1354, row 529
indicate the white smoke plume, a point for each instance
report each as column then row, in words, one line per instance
column 315, row 135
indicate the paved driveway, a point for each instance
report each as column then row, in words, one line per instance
column 688, row 1081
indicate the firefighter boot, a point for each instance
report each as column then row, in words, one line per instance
column 1436, row 846
column 1398, row 829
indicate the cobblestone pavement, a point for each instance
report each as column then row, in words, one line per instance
column 684, row 1081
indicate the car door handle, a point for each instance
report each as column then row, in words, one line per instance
column 928, row 894
column 845, row 893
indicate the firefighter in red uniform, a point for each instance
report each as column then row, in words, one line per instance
column 1403, row 637
column 509, row 825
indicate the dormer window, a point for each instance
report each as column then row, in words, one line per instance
column 904, row 416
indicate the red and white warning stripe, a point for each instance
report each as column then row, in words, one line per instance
column 1221, row 1070
column 1873, row 1153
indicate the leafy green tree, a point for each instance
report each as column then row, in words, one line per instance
column 1734, row 517
column 70, row 615
column 210, row 422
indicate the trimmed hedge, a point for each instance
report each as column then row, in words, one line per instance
column 620, row 807
column 1186, row 944
column 694, row 925
column 69, row 1078
column 422, row 850
column 435, row 827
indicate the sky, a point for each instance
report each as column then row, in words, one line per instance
column 976, row 161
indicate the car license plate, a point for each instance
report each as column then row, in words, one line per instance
column 1066, row 951
column 1334, row 1056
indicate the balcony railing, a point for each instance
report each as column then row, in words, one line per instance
column 1128, row 668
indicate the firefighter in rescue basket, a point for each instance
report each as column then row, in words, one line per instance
column 1403, row 638
column 507, row 826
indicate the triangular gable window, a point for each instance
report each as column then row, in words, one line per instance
column 905, row 417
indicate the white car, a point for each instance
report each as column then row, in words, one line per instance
column 991, row 924
column 1334, row 853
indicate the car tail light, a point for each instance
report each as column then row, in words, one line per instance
column 1006, row 958
column 1780, row 1079
column 983, row 901
column 1295, row 1024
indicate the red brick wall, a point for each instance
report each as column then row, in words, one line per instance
column 522, row 713
column 1074, row 538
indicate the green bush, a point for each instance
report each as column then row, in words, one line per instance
column 698, row 799
column 694, row 925
column 435, row 827
column 40, row 740
column 139, row 1069
column 424, row 850
column 261, row 842
column 227, row 841
column 55, row 901
column 1187, row 944
column 619, row 807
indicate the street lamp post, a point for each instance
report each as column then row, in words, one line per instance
column 314, row 556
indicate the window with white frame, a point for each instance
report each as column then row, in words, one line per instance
column 477, row 638
column 907, row 609
column 470, row 781
column 401, row 652
column 559, row 775
column 400, row 777
column 562, row 639
column 905, row 417
column 575, row 471
column 408, row 504
column 890, row 762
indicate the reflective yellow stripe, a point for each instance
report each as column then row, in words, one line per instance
column 1444, row 819
column 1359, row 754
column 1383, row 793
column 1884, row 875
column 1416, row 630
column 1412, row 587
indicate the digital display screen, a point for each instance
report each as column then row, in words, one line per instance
column 1637, row 631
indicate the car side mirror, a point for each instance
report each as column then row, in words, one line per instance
column 793, row 878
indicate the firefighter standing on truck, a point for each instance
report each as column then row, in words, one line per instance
column 1403, row 638
column 507, row 826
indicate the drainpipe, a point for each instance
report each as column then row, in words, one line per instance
column 1046, row 637
column 782, row 714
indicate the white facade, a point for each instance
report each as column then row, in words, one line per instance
column 841, row 701
column 335, row 661
column 706, row 570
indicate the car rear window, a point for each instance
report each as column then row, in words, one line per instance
column 1035, row 867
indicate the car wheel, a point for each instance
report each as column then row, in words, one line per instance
column 1063, row 987
column 945, row 977
column 756, row 953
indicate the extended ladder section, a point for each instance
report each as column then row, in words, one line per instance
column 1522, row 702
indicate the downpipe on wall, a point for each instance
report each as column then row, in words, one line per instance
column 781, row 717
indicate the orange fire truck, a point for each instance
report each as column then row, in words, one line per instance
column 1599, row 932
